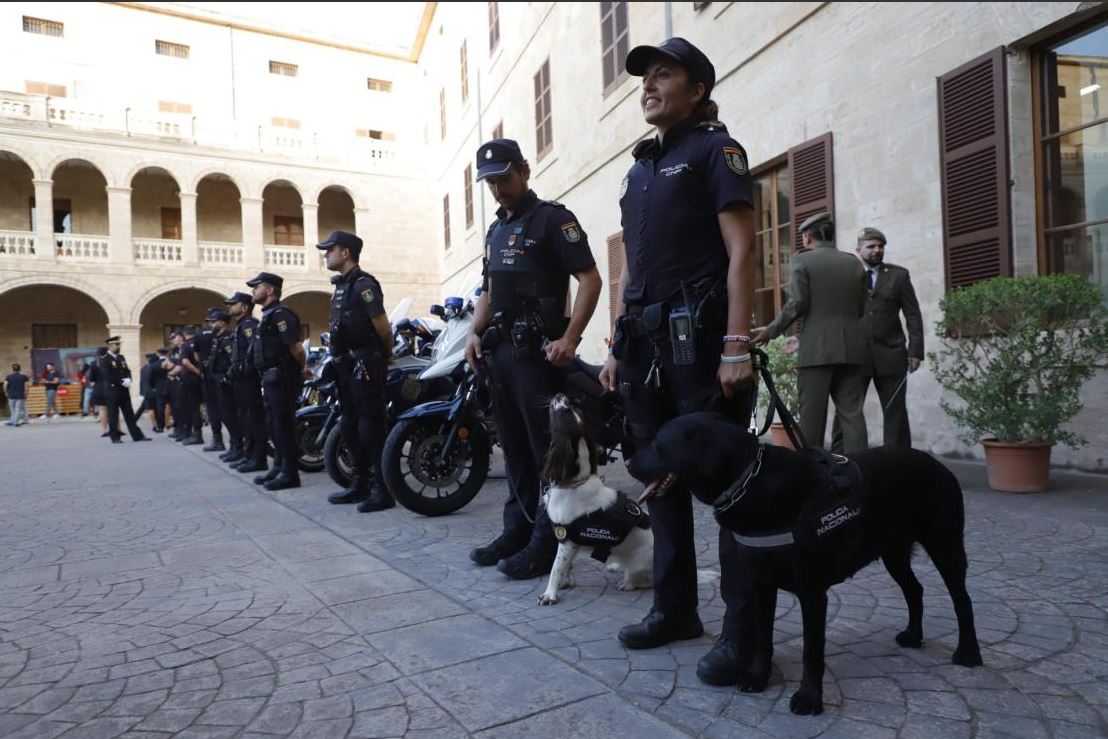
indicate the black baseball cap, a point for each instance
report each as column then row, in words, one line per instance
column 496, row 157
column 343, row 239
column 217, row 314
column 245, row 298
column 268, row 278
column 679, row 50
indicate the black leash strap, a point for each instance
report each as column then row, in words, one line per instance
column 792, row 429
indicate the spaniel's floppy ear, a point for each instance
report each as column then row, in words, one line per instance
column 561, row 461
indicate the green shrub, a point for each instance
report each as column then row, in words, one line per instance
column 1016, row 351
column 783, row 368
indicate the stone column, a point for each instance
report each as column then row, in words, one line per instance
column 361, row 224
column 190, row 248
column 311, row 236
column 253, row 253
column 131, row 348
column 45, row 249
column 121, row 249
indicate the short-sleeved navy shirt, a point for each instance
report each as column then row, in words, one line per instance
column 540, row 237
column 670, row 202
column 278, row 329
column 17, row 386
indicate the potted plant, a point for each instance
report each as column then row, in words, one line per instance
column 1015, row 352
column 782, row 365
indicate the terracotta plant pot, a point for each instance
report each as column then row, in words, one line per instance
column 1018, row 468
column 778, row 437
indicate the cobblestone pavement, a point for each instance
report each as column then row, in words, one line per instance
column 145, row 591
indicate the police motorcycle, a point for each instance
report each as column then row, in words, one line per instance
column 318, row 410
column 413, row 341
column 436, row 457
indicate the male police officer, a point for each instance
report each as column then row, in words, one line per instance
column 217, row 370
column 117, row 376
column 530, row 251
column 827, row 288
column 891, row 358
column 247, row 388
column 280, row 359
column 361, row 344
column 205, row 349
column 192, row 388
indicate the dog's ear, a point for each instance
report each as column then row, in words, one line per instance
column 561, row 461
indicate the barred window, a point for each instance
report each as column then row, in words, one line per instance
column 378, row 85
column 465, row 73
column 286, row 122
column 166, row 106
column 446, row 221
column 43, row 27
column 283, row 68
column 442, row 112
column 45, row 88
column 469, row 195
column 370, row 133
column 614, row 40
column 168, row 48
column 494, row 26
column 544, row 121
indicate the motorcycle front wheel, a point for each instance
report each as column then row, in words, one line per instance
column 336, row 459
column 417, row 475
column 309, row 454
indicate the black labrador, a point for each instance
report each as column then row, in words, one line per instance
column 765, row 494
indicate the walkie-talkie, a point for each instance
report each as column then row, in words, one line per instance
column 681, row 336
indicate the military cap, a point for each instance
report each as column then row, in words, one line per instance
column 151, row 356
column 217, row 314
column 869, row 233
column 240, row 298
column 110, row 339
column 344, row 240
column 268, row 278
column 696, row 64
column 813, row 221
column 496, row 157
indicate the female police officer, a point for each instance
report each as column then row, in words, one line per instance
column 688, row 227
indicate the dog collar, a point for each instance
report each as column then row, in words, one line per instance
column 734, row 494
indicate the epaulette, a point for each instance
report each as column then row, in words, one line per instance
column 641, row 148
column 712, row 126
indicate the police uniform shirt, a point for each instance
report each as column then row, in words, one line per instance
column 670, row 202
column 223, row 346
column 244, row 339
column 204, row 343
column 115, row 369
column 190, row 352
column 541, row 239
column 278, row 329
column 357, row 300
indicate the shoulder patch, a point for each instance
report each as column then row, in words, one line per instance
column 623, row 187
column 367, row 295
column 249, row 332
column 572, row 232
column 712, row 126
column 282, row 326
column 736, row 159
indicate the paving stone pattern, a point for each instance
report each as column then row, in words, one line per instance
column 145, row 592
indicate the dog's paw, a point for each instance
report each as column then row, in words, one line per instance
column 627, row 585
column 547, row 600
column 806, row 703
column 967, row 656
column 910, row 639
column 750, row 682
column 611, row 567
column 568, row 582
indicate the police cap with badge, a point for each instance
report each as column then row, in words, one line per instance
column 677, row 49
column 217, row 314
column 343, row 240
column 268, row 278
column 240, row 297
column 813, row 221
column 496, row 157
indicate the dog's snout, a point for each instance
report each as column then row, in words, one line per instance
column 560, row 402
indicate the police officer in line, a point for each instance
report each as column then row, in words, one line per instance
column 361, row 344
column 281, row 362
column 828, row 289
column 192, row 388
column 217, row 370
column 205, row 350
column 161, row 391
column 116, row 376
column 530, row 252
column 172, row 366
column 681, row 342
column 247, row 389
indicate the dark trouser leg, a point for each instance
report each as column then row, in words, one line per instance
column 837, row 427
column 369, row 401
column 521, row 393
column 349, row 424
column 894, row 406
column 112, row 400
column 813, row 386
column 848, row 390
column 225, row 397
column 211, row 404
column 279, row 403
column 190, row 405
column 124, row 404
column 159, row 410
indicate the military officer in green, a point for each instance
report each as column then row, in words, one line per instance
column 827, row 288
column 890, row 293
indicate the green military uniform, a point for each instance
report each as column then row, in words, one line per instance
column 891, row 294
column 827, row 289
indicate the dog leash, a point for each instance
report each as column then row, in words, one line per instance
column 792, row 428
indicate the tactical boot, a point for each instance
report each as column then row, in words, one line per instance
column 355, row 492
column 379, row 499
column 216, row 445
column 233, row 454
column 533, row 560
column 252, row 464
column 721, row 665
column 196, row 440
column 657, row 629
column 499, row 548
column 272, row 474
column 283, row 482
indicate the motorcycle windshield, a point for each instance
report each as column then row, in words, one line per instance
column 400, row 312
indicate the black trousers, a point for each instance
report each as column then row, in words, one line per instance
column 189, row 420
column 892, row 391
column 280, row 407
column 225, row 402
column 363, row 423
column 682, row 389
column 251, row 416
column 521, row 396
column 160, row 404
column 211, row 404
column 119, row 401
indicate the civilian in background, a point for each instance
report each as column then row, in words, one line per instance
column 15, row 387
column 51, row 378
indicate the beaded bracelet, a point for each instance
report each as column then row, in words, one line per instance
column 744, row 338
column 738, row 359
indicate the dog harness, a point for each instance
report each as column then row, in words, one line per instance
column 606, row 529
column 832, row 514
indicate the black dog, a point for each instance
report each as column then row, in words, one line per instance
column 905, row 496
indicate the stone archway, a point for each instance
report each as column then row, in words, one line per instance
column 313, row 307
column 173, row 309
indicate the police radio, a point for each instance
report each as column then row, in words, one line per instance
column 681, row 336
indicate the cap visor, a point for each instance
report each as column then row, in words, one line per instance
column 253, row 283
column 324, row 245
column 639, row 59
column 492, row 170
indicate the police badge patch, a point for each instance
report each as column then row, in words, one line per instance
column 560, row 533
column 282, row 326
column 572, row 232
column 249, row 332
column 623, row 187
column 736, row 159
column 367, row 295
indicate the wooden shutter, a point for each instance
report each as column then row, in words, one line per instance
column 973, row 162
column 813, row 182
column 615, row 269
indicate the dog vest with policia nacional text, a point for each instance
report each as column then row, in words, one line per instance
column 604, row 530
